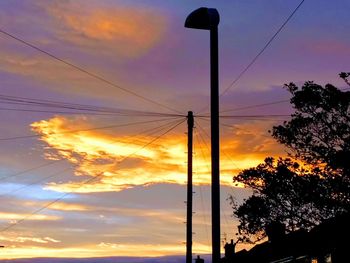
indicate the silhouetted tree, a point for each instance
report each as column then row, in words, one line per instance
column 314, row 183
column 319, row 131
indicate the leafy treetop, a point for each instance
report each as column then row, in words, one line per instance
column 318, row 134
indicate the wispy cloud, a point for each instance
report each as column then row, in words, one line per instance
column 13, row 217
column 62, row 206
column 102, row 249
column 27, row 239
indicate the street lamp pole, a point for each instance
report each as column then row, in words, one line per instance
column 208, row 19
column 215, row 145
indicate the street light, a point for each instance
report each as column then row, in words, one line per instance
column 208, row 19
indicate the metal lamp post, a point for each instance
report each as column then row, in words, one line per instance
column 208, row 19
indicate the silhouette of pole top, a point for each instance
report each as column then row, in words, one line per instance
column 203, row 18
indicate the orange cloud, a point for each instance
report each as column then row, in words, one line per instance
column 92, row 32
column 119, row 162
column 131, row 31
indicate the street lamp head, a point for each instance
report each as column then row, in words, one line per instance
column 203, row 18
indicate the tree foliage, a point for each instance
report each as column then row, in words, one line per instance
column 313, row 184
column 319, row 131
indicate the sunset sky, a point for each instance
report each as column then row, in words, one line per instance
column 121, row 177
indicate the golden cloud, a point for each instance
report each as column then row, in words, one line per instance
column 68, row 207
column 102, row 249
column 118, row 162
column 18, row 216
column 61, row 206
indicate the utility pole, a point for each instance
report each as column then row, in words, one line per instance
column 190, row 124
column 208, row 19
column 215, row 143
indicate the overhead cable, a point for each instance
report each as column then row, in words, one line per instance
column 85, row 130
column 10, row 226
column 264, row 48
column 25, row 101
column 240, row 75
column 89, row 73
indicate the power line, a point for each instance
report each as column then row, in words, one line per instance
column 40, row 209
column 35, row 182
column 247, row 116
column 263, row 49
column 153, row 130
column 93, row 75
column 246, row 130
column 155, row 139
column 84, row 130
column 56, row 112
column 260, row 119
column 248, row 119
column 204, row 142
column 255, row 106
column 25, row 101
column 240, row 75
column 147, row 131
column 263, row 104
column 230, row 187
column 86, row 181
column 150, row 132
column 240, row 128
column 204, row 209
column 109, row 114
column 205, row 133
column 46, row 205
column 29, row 170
